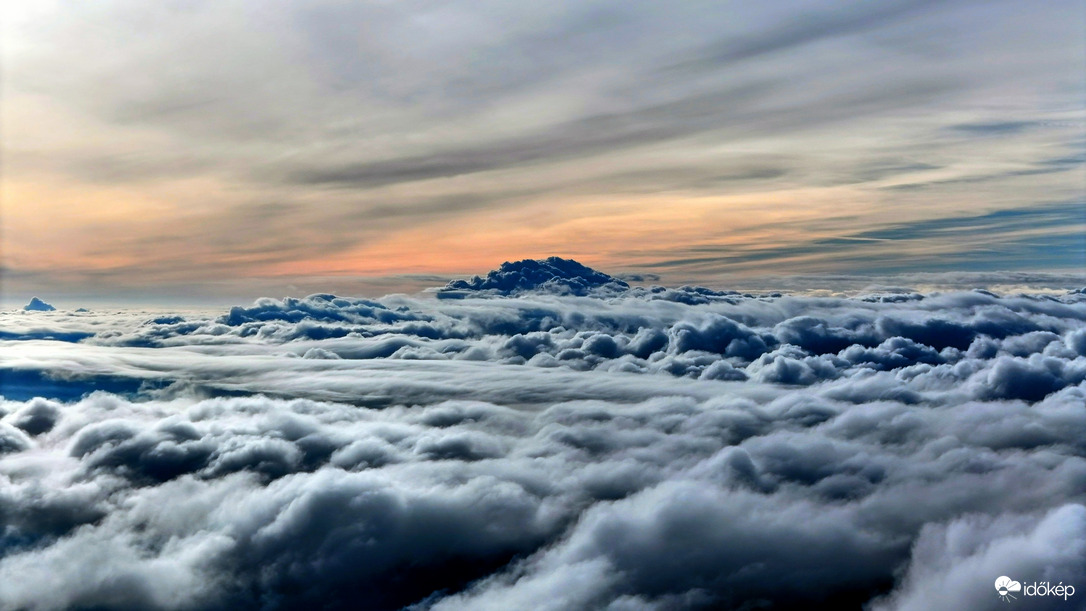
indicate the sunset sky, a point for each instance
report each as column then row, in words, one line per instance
column 246, row 147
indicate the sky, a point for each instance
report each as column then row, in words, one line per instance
column 187, row 150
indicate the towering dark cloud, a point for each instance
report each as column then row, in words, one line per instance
column 551, row 275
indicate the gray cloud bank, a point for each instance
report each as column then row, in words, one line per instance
column 523, row 447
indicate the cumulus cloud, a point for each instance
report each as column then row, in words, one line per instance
column 951, row 560
column 554, row 274
column 666, row 503
column 558, row 315
column 533, row 445
column 37, row 305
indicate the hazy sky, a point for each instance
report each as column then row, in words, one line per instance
column 237, row 147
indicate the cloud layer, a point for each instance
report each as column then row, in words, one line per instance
column 619, row 448
column 260, row 148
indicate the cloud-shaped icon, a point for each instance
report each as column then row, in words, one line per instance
column 1005, row 585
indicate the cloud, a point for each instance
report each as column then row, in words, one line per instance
column 552, row 439
column 668, row 503
column 37, row 305
column 880, row 248
column 333, row 140
column 560, row 316
column 951, row 560
column 551, row 275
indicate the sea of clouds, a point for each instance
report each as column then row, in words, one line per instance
column 546, row 437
